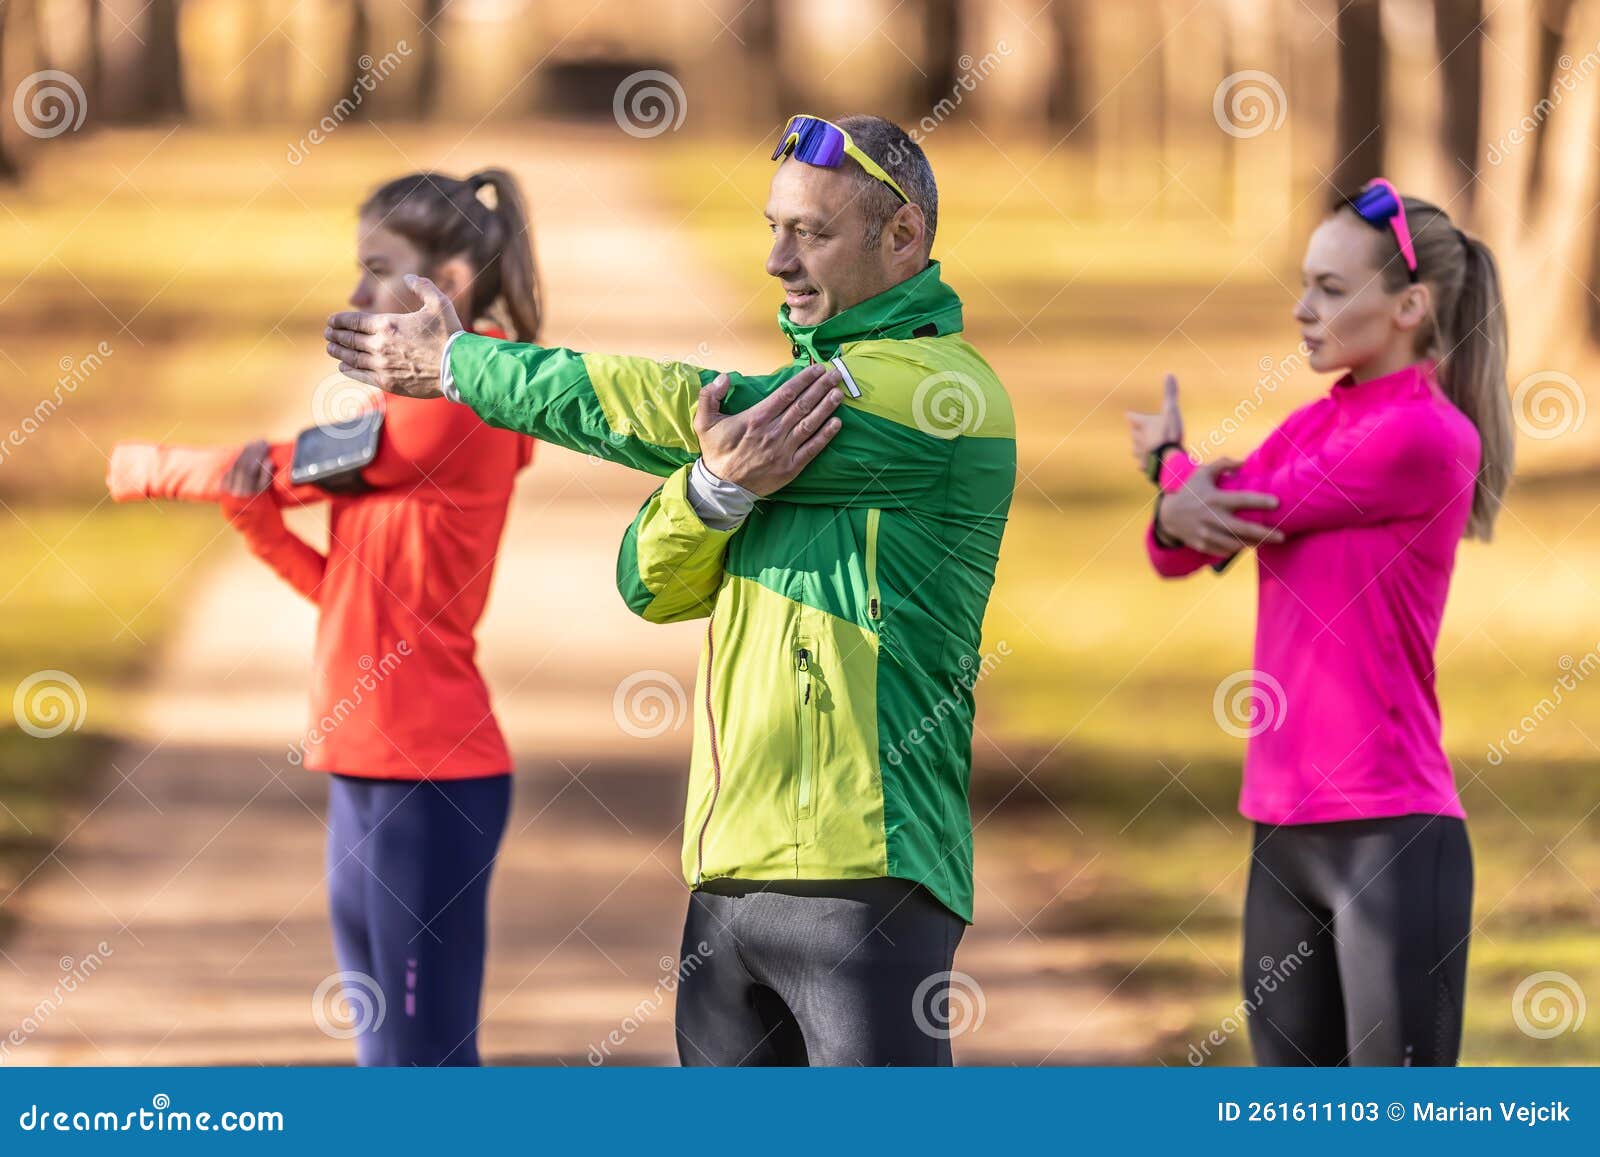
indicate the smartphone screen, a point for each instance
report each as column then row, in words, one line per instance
column 336, row 449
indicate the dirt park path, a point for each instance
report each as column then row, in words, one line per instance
column 200, row 871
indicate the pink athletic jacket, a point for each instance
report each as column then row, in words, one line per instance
column 1374, row 485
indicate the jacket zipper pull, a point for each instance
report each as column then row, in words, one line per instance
column 802, row 662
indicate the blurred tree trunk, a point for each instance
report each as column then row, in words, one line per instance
column 94, row 78
column 1546, row 243
column 165, row 61
column 22, row 53
column 429, row 75
column 10, row 164
column 1128, row 153
column 771, row 91
column 265, row 73
column 941, row 59
column 1458, row 32
column 1313, row 90
column 1068, row 105
column 1196, row 156
column 1513, row 28
column 1248, row 103
column 1361, row 70
column 358, row 44
column 1554, row 16
column 144, row 73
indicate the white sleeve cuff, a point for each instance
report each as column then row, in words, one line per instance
column 720, row 504
column 447, row 381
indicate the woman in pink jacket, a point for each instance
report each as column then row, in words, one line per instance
column 1359, row 905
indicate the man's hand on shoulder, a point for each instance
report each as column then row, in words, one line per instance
column 400, row 353
column 763, row 448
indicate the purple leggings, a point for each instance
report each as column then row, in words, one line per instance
column 408, row 888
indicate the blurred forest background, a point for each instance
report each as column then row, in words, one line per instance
column 1126, row 189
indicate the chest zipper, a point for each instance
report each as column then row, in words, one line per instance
column 874, row 599
column 716, row 765
column 806, row 696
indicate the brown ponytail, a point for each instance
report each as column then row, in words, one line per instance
column 1473, row 374
column 1467, row 337
column 446, row 217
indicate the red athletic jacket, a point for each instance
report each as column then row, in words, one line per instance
column 396, row 691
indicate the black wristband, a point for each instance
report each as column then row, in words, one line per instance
column 1162, row 540
column 1154, row 459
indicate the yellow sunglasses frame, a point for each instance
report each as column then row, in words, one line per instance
column 873, row 169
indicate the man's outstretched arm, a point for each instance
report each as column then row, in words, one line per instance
column 636, row 411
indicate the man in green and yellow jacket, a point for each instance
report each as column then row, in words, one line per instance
column 837, row 523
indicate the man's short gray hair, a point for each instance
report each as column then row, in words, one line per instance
column 902, row 158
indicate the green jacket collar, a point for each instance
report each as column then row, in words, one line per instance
column 920, row 306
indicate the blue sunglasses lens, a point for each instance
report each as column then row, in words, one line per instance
column 816, row 142
column 1376, row 205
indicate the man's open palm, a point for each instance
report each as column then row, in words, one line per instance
column 400, row 353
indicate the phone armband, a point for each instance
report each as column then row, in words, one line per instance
column 333, row 455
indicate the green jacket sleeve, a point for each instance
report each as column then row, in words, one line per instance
column 639, row 412
column 670, row 566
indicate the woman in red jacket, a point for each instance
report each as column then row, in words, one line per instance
column 401, row 719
